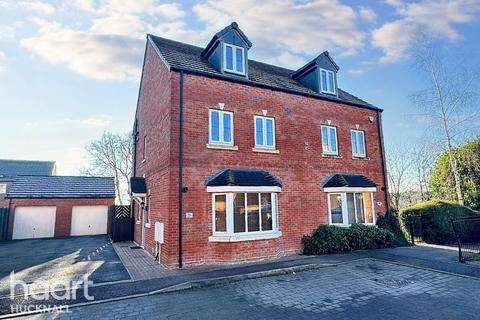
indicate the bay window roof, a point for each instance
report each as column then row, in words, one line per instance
column 339, row 180
column 243, row 177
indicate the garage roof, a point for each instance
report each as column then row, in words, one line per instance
column 9, row 169
column 26, row 187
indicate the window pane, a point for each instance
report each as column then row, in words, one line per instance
column 269, row 123
column 361, row 143
column 367, row 199
column 266, row 203
column 227, row 127
column 221, row 213
column 215, row 123
column 354, row 142
column 229, row 58
column 351, row 208
column 239, row 59
column 252, row 212
column 359, row 211
column 324, row 139
column 324, row 81
column 336, row 208
column 333, row 140
column 259, row 131
column 239, row 212
column 331, row 82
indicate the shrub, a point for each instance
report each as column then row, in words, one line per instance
column 332, row 239
column 390, row 222
column 435, row 219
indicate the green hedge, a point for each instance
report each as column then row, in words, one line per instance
column 435, row 219
column 390, row 221
column 332, row 239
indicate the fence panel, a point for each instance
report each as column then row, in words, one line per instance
column 3, row 224
column 467, row 232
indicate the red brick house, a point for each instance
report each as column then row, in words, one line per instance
column 241, row 158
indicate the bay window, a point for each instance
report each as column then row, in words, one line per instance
column 246, row 215
column 346, row 208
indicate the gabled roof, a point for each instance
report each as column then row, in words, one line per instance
column 221, row 33
column 309, row 65
column 338, row 180
column 9, row 169
column 243, row 178
column 62, row 187
column 184, row 57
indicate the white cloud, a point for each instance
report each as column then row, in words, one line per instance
column 290, row 60
column 97, row 56
column 367, row 14
column 152, row 7
column 7, row 32
column 356, row 72
column 69, row 160
column 278, row 26
column 101, row 121
column 36, row 6
column 2, row 57
column 437, row 18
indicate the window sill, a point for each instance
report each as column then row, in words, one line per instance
column 334, row 156
column 265, row 150
column 137, row 222
column 360, row 158
column 148, row 225
column 221, row 146
column 349, row 225
column 251, row 237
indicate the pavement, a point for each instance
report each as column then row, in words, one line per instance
column 55, row 260
column 432, row 259
column 360, row 289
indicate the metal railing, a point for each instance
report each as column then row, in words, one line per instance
column 415, row 227
column 467, row 232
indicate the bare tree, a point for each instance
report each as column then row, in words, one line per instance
column 399, row 164
column 448, row 99
column 424, row 156
column 111, row 155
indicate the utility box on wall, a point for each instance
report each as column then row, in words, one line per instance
column 159, row 230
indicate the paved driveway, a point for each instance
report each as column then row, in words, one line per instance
column 365, row 289
column 59, row 259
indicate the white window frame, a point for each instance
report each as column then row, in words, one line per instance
column 329, row 89
column 329, row 152
column 3, row 188
column 343, row 194
column 229, row 235
column 354, row 153
column 221, row 128
column 234, row 57
column 264, row 131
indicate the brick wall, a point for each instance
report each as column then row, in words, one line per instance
column 63, row 213
column 300, row 165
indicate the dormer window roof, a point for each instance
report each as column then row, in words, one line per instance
column 320, row 74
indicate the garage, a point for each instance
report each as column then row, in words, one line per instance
column 34, row 222
column 59, row 206
column 89, row 220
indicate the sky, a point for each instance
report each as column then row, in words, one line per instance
column 70, row 69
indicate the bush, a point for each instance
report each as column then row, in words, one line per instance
column 435, row 219
column 332, row 239
column 390, row 222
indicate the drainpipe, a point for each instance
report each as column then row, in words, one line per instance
column 180, row 175
column 382, row 154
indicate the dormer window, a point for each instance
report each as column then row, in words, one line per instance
column 327, row 79
column 234, row 59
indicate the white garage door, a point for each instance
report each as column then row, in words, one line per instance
column 89, row 220
column 34, row 222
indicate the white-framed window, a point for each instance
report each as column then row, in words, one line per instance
column 358, row 143
column 3, row 188
column 264, row 132
column 220, row 127
column 144, row 153
column 234, row 59
column 329, row 140
column 347, row 208
column 327, row 81
column 244, row 215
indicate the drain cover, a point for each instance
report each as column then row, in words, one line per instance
column 136, row 247
column 393, row 283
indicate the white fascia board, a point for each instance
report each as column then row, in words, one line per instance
column 349, row 189
column 243, row 189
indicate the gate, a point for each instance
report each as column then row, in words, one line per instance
column 3, row 223
column 414, row 225
column 121, row 224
